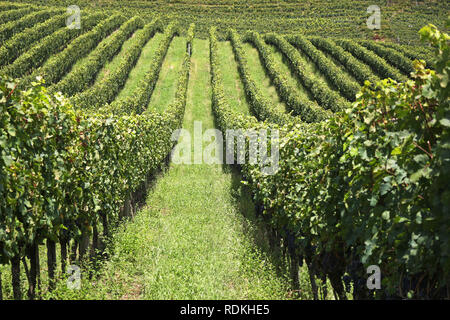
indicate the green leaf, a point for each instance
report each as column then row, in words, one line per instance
column 8, row 160
column 445, row 122
column 11, row 131
column 396, row 151
column 418, row 218
column 384, row 188
column 415, row 177
column 353, row 151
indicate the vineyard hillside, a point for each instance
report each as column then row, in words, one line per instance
column 110, row 112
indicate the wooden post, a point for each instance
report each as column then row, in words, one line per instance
column 27, row 272
column 15, row 272
column 34, row 269
column 294, row 260
column 294, row 272
column 313, row 282
column 51, row 262
column 38, row 269
column 105, row 225
column 63, row 243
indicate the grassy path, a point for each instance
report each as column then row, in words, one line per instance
column 233, row 86
column 166, row 85
column 114, row 63
column 138, row 73
column 260, row 76
column 197, row 237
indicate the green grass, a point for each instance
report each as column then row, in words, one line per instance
column 112, row 65
column 233, row 86
column 138, row 73
column 260, row 76
column 166, row 86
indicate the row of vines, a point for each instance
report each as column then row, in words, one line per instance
column 341, row 18
column 365, row 187
column 68, row 173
